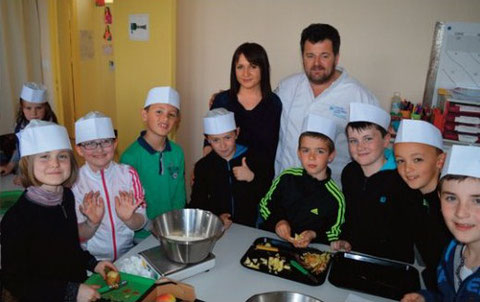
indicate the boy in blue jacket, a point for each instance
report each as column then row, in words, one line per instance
column 458, row 277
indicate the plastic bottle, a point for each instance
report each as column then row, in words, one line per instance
column 396, row 103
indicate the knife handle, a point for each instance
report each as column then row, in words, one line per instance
column 302, row 270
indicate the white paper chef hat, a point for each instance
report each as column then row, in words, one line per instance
column 42, row 136
column 315, row 123
column 163, row 95
column 462, row 160
column 34, row 93
column 94, row 125
column 219, row 121
column 361, row 112
column 417, row 131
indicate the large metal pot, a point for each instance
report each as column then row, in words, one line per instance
column 282, row 296
column 187, row 235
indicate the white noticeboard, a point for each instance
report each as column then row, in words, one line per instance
column 454, row 60
column 138, row 27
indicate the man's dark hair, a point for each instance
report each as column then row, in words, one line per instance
column 364, row 126
column 319, row 32
column 255, row 55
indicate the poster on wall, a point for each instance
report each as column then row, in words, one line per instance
column 454, row 59
column 87, row 51
column 138, row 29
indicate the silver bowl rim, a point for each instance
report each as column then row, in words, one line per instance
column 183, row 242
column 284, row 291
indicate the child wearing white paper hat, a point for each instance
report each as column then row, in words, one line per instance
column 158, row 160
column 419, row 155
column 380, row 206
column 459, row 191
column 109, row 196
column 306, row 202
column 33, row 105
column 230, row 180
column 40, row 247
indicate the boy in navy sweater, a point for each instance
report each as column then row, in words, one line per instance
column 381, row 208
column 231, row 180
column 419, row 156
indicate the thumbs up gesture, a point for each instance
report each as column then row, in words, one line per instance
column 243, row 172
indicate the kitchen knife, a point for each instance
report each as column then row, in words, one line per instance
column 111, row 287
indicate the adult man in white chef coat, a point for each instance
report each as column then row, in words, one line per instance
column 323, row 89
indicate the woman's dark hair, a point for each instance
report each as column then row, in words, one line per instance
column 49, row 115
column 256, row 55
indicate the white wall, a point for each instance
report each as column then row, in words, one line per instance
column 23, row 47
column 385, row 44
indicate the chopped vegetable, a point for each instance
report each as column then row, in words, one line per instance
column 316, row 263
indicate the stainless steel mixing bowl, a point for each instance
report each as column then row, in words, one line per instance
column 282, row 296
column 187, row 235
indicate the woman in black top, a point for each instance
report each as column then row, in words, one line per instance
column 257, row 109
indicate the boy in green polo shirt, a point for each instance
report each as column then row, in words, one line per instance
column 159, row 162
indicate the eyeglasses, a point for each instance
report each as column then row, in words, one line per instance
column 92, row 145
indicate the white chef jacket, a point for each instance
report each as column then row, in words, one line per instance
column 113, row 237
column 298, row 101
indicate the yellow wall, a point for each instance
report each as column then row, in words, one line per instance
column 141, row 65
column 94, row 82
column 61, row 57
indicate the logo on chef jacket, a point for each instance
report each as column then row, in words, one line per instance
column 314, row 211
column 383, row 199
column 338, row 112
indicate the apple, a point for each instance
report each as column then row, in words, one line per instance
column 113, row 277
column 165, row 298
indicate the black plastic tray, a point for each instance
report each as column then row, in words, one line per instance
column 374, row 276
column 287, row 252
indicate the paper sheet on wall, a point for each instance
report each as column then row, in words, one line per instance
column 87, row 51
column 455, row 58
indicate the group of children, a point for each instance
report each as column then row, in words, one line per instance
column 69, row 219
column 387, row 205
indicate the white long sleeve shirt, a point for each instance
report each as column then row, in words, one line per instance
column 298, row 101
column 113, row 237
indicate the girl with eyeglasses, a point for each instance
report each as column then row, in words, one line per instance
column 109, row 196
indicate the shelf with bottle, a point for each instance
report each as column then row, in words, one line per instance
column 404, row 109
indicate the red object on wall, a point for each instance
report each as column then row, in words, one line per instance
column 108, row 15
column 107, row 35
column 100, row 2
